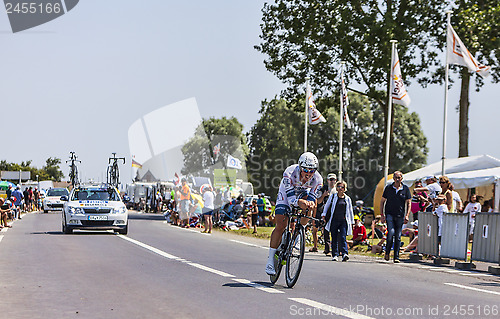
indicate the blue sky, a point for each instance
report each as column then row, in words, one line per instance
column 78, row 82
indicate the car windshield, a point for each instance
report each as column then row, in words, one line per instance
column 57, row 192
column 95, row 194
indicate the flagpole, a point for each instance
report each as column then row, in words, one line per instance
column 389, row 116
column 341, row 134
column 305, row 117
column 445, row 116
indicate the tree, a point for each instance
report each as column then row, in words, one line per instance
column 478, row 24
column 199, row 159
column 51, row 171
column 304, row 38
column 276, row 141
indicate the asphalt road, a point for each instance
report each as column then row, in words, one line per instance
column 161, row 271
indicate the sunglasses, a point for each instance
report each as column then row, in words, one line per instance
column 340, row 186
column 332, row 179
column 443, row 182
column 308, row 170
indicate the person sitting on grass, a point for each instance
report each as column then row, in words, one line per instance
column 358, row 233
column 378, row 229
column 411, row 232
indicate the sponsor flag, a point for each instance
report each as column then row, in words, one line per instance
column 399, row 94
column 315, row 116
column 458, row 54
column 177, row 179
column 344, row 100
column 233, row 162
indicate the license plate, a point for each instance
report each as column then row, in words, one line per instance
column 98, row 217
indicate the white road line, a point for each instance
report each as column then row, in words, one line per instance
column 1, row 237
column 330, row 309
column 155, row 250
column 248, row 244
column 476, row 274
column 215, row 271
column 258, row 286
column 454, row 271
column 472, row 288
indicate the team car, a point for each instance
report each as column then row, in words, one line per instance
column 52, row 200
column 94, row 207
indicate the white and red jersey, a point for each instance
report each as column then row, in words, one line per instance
column 292, row 189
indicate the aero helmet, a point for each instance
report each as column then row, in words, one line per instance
column 308, row 160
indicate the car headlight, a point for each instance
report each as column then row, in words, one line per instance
column 120, row 210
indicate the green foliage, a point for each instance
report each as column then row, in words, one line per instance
column 198, row 151
column 309, row 38
column 51, row 170
column 276, row 141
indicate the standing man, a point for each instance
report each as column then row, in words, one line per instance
column 260, row 207
column 324, row 192
column 18, row 195
column 395, row 209
column 185, row 201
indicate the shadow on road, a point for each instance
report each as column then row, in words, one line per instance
column 487, row 284
column 146, row 216
column 104, row 232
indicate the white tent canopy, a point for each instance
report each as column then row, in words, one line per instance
column 455, row 165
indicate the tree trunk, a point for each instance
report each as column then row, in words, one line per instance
column 463, row 127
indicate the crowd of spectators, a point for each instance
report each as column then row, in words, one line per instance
column 17, row 202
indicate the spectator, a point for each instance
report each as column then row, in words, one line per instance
column 208, row 208
column 18, row 195
column 419, row 201
column 358, row 233
column 9, row 191
column 472, row 208
column 396, row 208
column 30, row 192
column 457, row 201
column 444, row 182
column 254, row 213
column 4, row 212
column 36, row 197
column 487, row 206
column 341, row 220
column 412, row 245
column 441, row 208
column 433, row 189
column 411, row 232
column 260, row 207
column 185, row 203
column 26, row 196
column 378, row 229
column 324, row 194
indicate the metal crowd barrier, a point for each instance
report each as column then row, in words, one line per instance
column 486, row 241
column 455, row 236
column 427, row 234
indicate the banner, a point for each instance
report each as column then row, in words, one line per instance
column 399, row 94
column 224, row 178
column 344, row 100
column 315, row 116
column 458, row 54
column 233, row 162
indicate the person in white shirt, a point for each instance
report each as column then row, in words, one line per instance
column 208, row 208
column 441, row 209
column 472, row 208
column 457, row 201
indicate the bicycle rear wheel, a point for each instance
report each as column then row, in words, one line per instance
column 295, row 256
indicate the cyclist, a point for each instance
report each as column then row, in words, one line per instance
column 298, row 188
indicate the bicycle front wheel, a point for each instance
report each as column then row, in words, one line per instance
column 295, row 256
